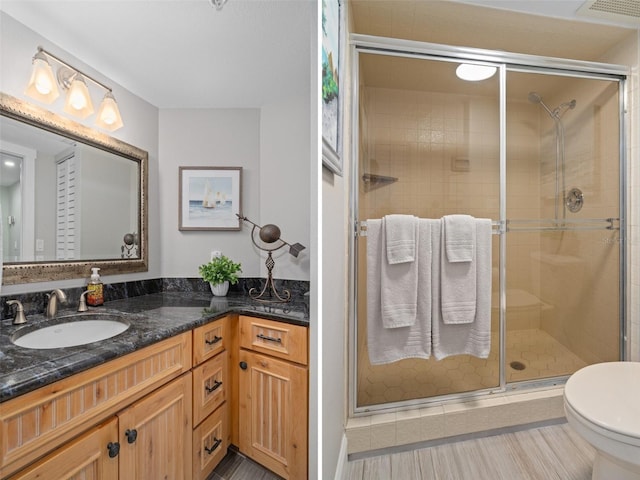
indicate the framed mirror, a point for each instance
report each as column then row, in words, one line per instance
column 72, row 198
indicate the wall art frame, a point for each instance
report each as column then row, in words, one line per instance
column 210, row 198
column 332, row 85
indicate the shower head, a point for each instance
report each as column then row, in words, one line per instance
column 534, row 97
column 570, row 105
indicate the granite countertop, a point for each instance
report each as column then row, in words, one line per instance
column 152, row 318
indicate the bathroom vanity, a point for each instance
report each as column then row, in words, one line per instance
column 165, row 399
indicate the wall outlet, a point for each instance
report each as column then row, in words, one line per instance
column 39, row 245
column 215, row 253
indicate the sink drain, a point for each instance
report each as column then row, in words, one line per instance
column 517, row 365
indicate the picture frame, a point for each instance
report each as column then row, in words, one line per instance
column 209, row 198
column 332, row 101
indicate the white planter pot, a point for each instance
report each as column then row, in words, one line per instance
column 219, row 290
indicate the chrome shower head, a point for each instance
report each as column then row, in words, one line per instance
column 534, row 97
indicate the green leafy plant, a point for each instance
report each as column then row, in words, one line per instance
column 219, row 270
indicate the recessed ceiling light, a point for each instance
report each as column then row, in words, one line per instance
column 474, row 73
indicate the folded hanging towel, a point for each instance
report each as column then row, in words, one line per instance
column 457, row 279
column 401, row 240
column 398, row 281
column 387, row 345
column 459, row 235
column 470, row 338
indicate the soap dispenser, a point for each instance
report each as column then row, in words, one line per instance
column 95, row 287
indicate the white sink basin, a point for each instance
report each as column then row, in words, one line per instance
column 78, row 330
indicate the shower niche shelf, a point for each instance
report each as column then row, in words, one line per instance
column 373, row 181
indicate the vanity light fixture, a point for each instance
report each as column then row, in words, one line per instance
column 43, row 86
column 474, row 72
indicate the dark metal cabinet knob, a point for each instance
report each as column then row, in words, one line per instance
column 132, row 435
column 243, row 365
column 113, row 448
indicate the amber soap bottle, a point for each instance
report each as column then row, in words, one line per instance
column 95, row 296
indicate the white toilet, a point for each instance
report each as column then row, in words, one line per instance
column 602, row 404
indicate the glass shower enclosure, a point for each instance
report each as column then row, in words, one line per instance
column 538, row 148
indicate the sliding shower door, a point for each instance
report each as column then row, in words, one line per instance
column 538, row 149
column 429, row 146
column 563, row 238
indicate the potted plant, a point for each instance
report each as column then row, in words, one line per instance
column 220, row 272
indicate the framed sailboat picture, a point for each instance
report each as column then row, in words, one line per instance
column 210, row 198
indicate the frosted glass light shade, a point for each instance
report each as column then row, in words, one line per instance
column 78, row 101
column 42, row 84
column 109, row 114
column 475, row 73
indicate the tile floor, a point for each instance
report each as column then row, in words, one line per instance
column 547, row 453
column 235, row 466
column 540, row 354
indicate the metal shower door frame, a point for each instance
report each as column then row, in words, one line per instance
column 505, row 62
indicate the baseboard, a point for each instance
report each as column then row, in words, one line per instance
column 341, row 467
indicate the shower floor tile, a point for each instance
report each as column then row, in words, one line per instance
column 538, row 355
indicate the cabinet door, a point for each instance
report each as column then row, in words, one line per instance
column 155, row 434
column 86, row 458
column 273, row 413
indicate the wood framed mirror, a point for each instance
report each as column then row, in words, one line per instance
column 77, row 199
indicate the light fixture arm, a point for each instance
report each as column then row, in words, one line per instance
column 62, row 62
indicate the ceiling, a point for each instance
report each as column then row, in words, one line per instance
column 468, row 24
column 183, row 53
column 187, row 54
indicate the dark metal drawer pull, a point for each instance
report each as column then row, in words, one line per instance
column 216, row 444
column 215, row 340
column 270, row 339
column 216, row 385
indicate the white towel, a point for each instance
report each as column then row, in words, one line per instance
column 401, row 232
column 471, row 338
column 387, row 345
column 458, row 278
column 459, row 234
column 399, row 281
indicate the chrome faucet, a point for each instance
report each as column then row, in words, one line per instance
column 52, row 304
column 19, row 316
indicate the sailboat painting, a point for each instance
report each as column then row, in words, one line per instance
column 210, row 198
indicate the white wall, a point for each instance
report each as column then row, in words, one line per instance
column 213, row 138
column 335, row 292
column 18, row 44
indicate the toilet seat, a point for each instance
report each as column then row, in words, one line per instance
column 605, row 395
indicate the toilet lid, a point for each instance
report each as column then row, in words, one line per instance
column 607, row 394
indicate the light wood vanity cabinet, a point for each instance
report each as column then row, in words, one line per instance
column 169, row 410
column 140, row 396
column 273, row 395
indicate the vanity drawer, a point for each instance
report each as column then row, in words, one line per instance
column 210, row 443
column 210, row 385
column 209, row 340
column 278, row 339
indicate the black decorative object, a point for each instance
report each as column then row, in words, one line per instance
column 270, row 234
